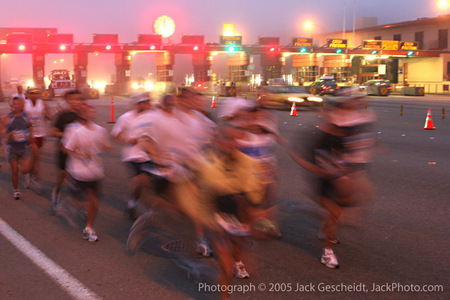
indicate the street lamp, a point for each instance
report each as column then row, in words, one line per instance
column 443, row 4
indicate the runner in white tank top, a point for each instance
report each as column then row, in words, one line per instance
column 38, row 112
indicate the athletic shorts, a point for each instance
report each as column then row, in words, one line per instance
column 38, row 140
column 88, row 185
column 16, row 152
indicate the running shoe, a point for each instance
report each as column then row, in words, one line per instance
column 240, row 271
column 27, row 182
column 329, row 259
column 16, row 195
column 202, row 247
column 90, row 235
column 231, row 224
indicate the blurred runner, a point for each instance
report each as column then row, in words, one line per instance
column 129, row 129
column 85, row 164
column 341, row 159
column 38, row 112
column 17, row 130
column 64, row 120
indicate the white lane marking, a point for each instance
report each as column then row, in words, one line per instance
column 74, row 287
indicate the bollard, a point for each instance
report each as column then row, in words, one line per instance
column 365, row 106
column 112, row 110
column 443, row 113
column 401, row 110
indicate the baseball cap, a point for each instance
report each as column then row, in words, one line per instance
column 140, row 97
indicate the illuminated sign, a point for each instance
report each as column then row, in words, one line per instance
column 302, row 42
column 231, row 40
column 390, row 45
column 372, row 44
column 336, row 43
column 409, row 46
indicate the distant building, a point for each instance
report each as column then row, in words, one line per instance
column 431, row 35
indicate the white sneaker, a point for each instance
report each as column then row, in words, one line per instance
column 202, row 247
column 16, row 195
column 90, row 235
column 329, row 259
column 240, row 271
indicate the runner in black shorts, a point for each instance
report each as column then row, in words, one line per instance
column 65, row 118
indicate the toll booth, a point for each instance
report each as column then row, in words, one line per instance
column 202, row 64
column 306, row 67
column 338, row 66
column 123, row 63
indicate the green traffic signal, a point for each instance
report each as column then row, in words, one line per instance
column 232, row 48
column 410, row 53
column 374, row 52
column 303, row 50
column 339, row 51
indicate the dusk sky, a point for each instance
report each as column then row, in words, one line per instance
column 251, row 18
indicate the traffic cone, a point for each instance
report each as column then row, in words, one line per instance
column 429, row 121
column 293, row 110
column 213, row 104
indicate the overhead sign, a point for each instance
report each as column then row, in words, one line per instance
column 372, row 44
column 336, row 43
column 409, row 46
column 390, row 45
column 302, row 42
column 231, row 40
column 262, row 40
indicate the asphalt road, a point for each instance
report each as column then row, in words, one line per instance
column 400, row 239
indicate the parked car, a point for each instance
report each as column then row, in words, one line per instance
column 324, row 86
column 282, row 96
column 377, row 87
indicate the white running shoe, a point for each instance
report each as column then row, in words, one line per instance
column 202, row 247
column 240, row 271
column 16, row 195
column 329, row 259
column 90, row 235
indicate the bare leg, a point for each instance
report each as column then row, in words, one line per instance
column 92, row 207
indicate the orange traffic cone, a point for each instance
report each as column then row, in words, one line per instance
column 213, row 104
column 293, row 110
column 429, row 121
